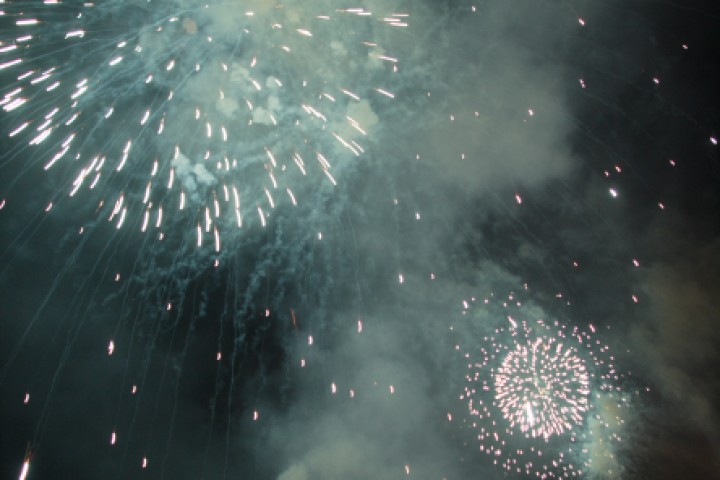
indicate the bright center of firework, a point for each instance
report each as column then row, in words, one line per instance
column 542, row 388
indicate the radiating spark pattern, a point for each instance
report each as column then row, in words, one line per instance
column 223, row 111
column 541, row 387
column 185, row 124
column 535, row 391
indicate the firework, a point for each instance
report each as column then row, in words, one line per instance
column 537, row 392
column 218, row 110
column 541, row 387
column 188, row 123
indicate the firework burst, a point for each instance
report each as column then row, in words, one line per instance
column 541, row 387
column 190, row 123
column 220, row 111
column 537, row 392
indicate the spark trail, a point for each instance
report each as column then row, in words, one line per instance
column 150, row 109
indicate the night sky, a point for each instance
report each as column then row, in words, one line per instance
column 480, row 240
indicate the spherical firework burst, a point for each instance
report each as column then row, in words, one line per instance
column 541, row 387
column 537, row 393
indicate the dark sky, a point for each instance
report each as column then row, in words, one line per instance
column 489, row 164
